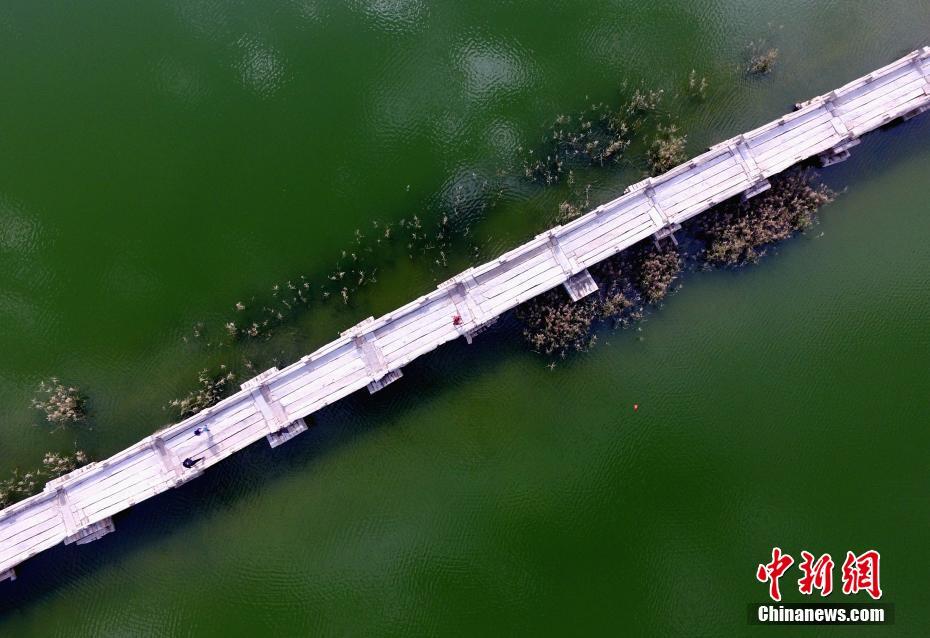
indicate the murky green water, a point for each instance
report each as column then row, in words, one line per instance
column 161, row 161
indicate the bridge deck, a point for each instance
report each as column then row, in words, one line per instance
column 77, row 507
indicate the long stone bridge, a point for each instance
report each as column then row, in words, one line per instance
column 78, row 507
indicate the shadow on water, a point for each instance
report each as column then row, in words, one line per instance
column 259, row 466
column 358, row 415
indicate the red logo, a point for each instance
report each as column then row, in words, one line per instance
column 860, row 573
column 771, row 572
column 817, row 575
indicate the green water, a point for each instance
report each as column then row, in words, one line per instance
column 161, row 161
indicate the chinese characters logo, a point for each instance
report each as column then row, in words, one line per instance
column 859, row 573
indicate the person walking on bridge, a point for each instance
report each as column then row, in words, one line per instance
column 190, row 463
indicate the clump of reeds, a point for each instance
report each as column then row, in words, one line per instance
column 618, row 299
column 667, row 150
column 619, row 307
column 211, row 390
column 762, row 59
column 736, row 231
column 55, row 464
column 61, row 404
column 22, row 485
column 555, row 326
column 658, row 268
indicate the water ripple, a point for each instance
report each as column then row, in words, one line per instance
column 261, row 68
column 19, row 231
column 393, row 16
column 493, row 68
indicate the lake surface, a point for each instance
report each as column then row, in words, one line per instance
column 162, row 161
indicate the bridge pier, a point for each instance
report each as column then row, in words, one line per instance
column 471, row 334
column 78, row 530
column 912, row 114
column 386, row 380
column 840, row 152
column 371, row 354
column 666, row 231
column 578, row 283
column 286, row 433
column 280, row 428
column 741, row 152
column 837, row 154
column 925, row 71
column 91, row 533
column 755, row 189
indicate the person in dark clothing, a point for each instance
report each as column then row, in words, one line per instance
column 200, row 431
column 189, row 462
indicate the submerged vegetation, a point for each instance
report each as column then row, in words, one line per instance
column 597, row 136
column 667, row 150
column 762, row 58
column 60, row 404
column 697, row 86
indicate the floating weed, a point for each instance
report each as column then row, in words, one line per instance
column 212, row 388
column 762, row 58
column 61, row 404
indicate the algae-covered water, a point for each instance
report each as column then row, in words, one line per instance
column 161, row 161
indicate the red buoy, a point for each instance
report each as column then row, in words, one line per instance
column 635, row 407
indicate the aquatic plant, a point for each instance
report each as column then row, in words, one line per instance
column 731, row 233
column 575, row 206
column 667, row 150
column 761, row 59
column 211, row 390
column 735, row 231
column 55, row 464
column 554, row 325
column 697, row 87
column 658, row 268
column 22, row 485
column 597, row 136
column 61, row 404
column 615, row 305
column 567, row 212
